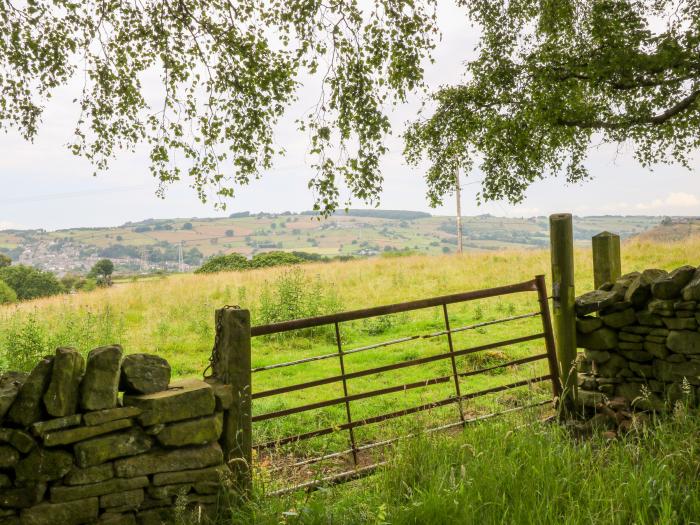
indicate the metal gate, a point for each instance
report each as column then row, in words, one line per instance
column 344, row 378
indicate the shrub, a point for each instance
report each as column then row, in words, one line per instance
column 7, row 294
column 224, row 263
column 267, row 259
column 294, row 295
column 29, row 283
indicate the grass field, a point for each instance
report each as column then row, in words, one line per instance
column 173, row 317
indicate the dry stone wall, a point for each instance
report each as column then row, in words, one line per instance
column 107, row 440
column 641, row 340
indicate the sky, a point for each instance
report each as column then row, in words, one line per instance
column 45, row 186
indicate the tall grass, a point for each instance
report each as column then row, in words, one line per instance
column 173, row 316
column 493, row 474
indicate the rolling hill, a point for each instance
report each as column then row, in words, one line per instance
column 157, row 244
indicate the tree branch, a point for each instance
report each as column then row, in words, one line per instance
column 654, row 120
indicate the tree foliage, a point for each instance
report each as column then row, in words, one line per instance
column 7, row 294
column 4, row 261
column 30, row 283
column 227, row 71
column 551, row 77
column 103, row 270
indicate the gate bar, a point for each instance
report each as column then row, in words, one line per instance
column 548, row 336
column 296, row 324
column 395, row 366
column 391, row 389
column 398, row 413
column 393, row 342
column 454, row 362
column 345, row 392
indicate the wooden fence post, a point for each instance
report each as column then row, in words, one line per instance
column 606, row 258
column 232, row 367
column 564, row 293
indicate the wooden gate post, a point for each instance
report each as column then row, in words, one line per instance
column 606, row 258
column 564, row 293
column 232, row 367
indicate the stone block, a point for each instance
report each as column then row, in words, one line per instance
column 642, row 370
column 659, row 332
column 158, row 461
column 625, row 345
column 597, row 356
column 216, row 473
column 19, row 439
column 658, row 350
column 685, row 306
column 61, row 494
column 191, row 432
column 619, row 319
column 61, row 397
column 684, row 342
column 27, row 408
column 9, row 456
column 111, row 414
column 157, row 516
column 630, row 338
column 593, row 301
column 584, row 325
column 589, row 398
column 113, row 518
column 44, row 465
column 10, row 384
column 675, row 323
column 602, row 339
column 185, row 399
column 169, row 491
column 691, row 292
column 636, row 329
column 640, row 356
column 102, row 449
column 144, row 374
column 647, row 318
column 22, row 497
column 127, row 499
column 612, row 366
column 670, row 286
column 40, row 428
column 71, row 513
column 100, row 385
column 74, row 435
column 670, row 372
column 661, row 307
column 85, row 476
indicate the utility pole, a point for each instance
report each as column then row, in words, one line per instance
column 458, row 195
column 180, row 259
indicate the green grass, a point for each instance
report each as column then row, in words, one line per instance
column 173, row 317
column 493, row 473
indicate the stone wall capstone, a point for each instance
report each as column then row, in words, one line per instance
column 107, row 440
column 641, row 340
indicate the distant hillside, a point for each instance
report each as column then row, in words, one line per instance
column 673, row 230
column 158, row 244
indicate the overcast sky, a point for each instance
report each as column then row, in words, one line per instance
column 45, row 186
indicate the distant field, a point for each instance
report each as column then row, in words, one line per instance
column 365, row 232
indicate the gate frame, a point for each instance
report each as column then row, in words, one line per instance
column 231, row 365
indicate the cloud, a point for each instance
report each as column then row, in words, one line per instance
column 674, row 203
column 676, row 200
column 9, row 225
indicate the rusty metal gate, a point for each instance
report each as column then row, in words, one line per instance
column 536, row 285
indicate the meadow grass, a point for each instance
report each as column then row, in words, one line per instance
column 499, row 472
column 173, row 317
